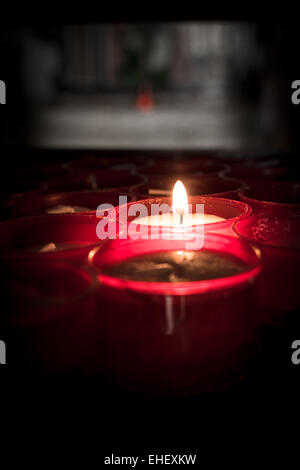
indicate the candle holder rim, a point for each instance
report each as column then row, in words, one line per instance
column 78, row 176
column 217, row 169
column 45, row 216
column 17, row 206
column 187, row 287
column 12, row 255
column 261, row 244
column 261, row 173
column 214, row 225
column 239, row 185
column 82, row 162
column 248, row 199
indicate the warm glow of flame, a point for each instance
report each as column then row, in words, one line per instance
column 180, row 199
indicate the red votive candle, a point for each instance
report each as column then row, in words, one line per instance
column 18, row 187
column 129, row 161
column 278, row 238
column 273, row 197
column 197, row 186
column 250, row 176
column 49, row 317
column 175, row 337
column 104, row 180
column 237, row 159
column 229, row 210
column 42, row 172
column 179, row 168
column 185, row 164
column 56, row 237
column 65, row 202
column 17, row 190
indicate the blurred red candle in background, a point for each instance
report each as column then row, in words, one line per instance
column 251, row 175
column 80, row 201
column 276, row 197
column 278, row 238
column 199, row 185
column 48, row 238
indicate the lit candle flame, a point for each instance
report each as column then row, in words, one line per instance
column 180, row 200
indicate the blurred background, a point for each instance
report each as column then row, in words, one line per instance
column 153, row 85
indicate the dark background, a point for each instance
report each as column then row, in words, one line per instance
column 242, row 98
column 233, row 77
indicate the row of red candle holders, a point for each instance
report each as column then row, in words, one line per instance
column 213, row 174
column 119, row 328
column 122, row 332
column 279, row 196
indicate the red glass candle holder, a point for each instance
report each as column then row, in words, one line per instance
column 196, row 186
column 16, row 188
column 278, row 238
column 49, row 317
column 15, row 191
column 42, row 173
column 94, row 162
column 230, row 210
column 183, row 167
column 73, row 234
column 240, row 159
column 250, row 176
column 167, row 155
column 104, row 180
column 176, row 337
column 273, row 197
column 37, row 204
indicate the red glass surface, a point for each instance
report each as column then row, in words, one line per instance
column 49, row 317
column 181, row 167
column 278, row 238
column 273, row 197
column 256, row 175
column 195, row 186
column 42, row 172
column 106, row 180
column 34, row 204
column 176, row 338
column 101, row 163
column 17, row 236
column 240, row 159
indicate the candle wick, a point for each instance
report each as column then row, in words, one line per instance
column 180, row 216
